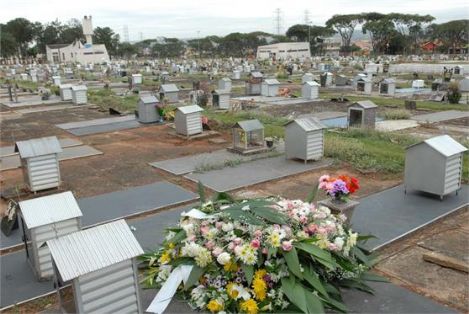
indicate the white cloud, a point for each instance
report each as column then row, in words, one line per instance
column 183, row 18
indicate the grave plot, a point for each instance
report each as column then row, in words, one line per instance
column 254, row 172
column 440, row 116
column 33, row 101
column 100, row 125
column 121, row 204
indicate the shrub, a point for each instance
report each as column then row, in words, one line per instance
column 454, row 95
column 397, row 114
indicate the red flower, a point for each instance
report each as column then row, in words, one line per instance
column 352, row 183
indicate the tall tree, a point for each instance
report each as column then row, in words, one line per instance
column 345, row 25
column 453, row 34
column 8, row 45
column 312, row 33
column 106, row 36
column 71, row 32
column 23, row 32
column 380, row 30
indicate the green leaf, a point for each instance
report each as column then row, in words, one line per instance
column 356, row 284
column 248, row 272
column 270, row 215
column 178, row 237
column 293, row 262
column 271, row 251
column 238, row 214
column 313, row 303
column 332, row 289
column 361, row 256
column 295, row 293
column 312, row 195
column 339, row 306
column 313, row 279
column 194, row 276
column 201, row 191
column 223, row 196
column 369, row 276
column 314, row 250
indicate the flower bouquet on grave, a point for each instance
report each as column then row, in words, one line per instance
column 259, row 255
column 340, row 188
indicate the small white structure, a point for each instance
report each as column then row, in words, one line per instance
column 221, row 99
column 364, row 85
column 341, row 80
column 79, row 94
column 169, row 92
column 310, row 90
column 40, row 162
column 24, row 76
column 418, row 84
column 33, row 74
column 464, row 84
column 269, row 87
column 100, row 263
column 236, row 75
column 248, row 137
column 387, row 87
column 304, row 139
column 224, row 84
column 307, row 77
column 65, row 92
column 188, row 120
column 137, row 80
column 56, row 80
column 148, row 110
column 434, row 166
column 45, row 218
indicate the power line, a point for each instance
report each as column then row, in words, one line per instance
column 278, row 21
column 126, row 33
column 307, row 17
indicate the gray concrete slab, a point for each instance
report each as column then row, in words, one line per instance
column 94, row 122
column 389, row 298
column 213, row 160
column 34, row 101
column 110, row 127
column 64, row 142
column 116, row 205
column 48, row 108
column 441, row 116
column 254, row 172
column 391, row 214
column 13, row 161
column 395, row 125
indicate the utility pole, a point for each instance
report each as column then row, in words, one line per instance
column 278, row 20
column 141, row 36
column 307, row 17
column 198, row 43
column 126, row 33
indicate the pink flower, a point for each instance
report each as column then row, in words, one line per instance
column 324, row 178
column 312, row 228
column 332, row 247
column 237, row 241
column 204, row 230
column 231, row 246
column 287, row 245
column 218, row 225
column 322, row 230
column 303, row 219
column 191, row 238
column 210, row 245
column 255, row 243
column 265, row 251
column 217, row 251
column 258, row 233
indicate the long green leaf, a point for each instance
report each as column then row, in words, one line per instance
column 178, row 237
column 295, row 293
column 313, row 303
column 369, row 276
column 270, row 215
column 248, row 272
column 293, row 262
column 314, row 250
column 339, row 306
column 361, row 256
column 201, row 191
column 194, row 276
column 313, row 279
column 312, row 195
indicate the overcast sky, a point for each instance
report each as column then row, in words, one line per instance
column 185, row 18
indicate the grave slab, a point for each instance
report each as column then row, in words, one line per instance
column 34, row 101
column 81, row 124
column 115, row 205
column 13, row 161
column 391, row 214
column 441, row 116
column 254, row 172
column 215, row 159
column 395, row 125
column 110, row 127
column 48, row 108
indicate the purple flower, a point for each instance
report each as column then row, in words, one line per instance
column 339, row 187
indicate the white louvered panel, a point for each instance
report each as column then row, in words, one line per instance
column 39, row 163
column 453, row 174
column 63, row 230
column 45, row 186
column 39, row 231
column 115, row 307
column 42, row 158
column 44, row 171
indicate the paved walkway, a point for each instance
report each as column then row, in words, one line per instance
column 441, row 116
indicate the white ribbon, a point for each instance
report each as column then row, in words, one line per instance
column 197, row 214
column 169, row 288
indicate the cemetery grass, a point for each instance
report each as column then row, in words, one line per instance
column 21, row 84
column 106, row 98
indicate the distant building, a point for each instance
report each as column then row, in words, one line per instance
column 332, row 46
column 77, row 51
column 283, row 51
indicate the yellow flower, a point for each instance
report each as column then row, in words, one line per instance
column 171, row 245
column 260, row 273
column 214, row 306
column 249, row 307
column 165, row 258
column 232, row 291
column 230, row 267
column 260, row 288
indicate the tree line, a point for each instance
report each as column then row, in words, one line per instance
column 393, row 33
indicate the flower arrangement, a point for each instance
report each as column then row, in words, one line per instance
column 261, row 255
column 339, row 188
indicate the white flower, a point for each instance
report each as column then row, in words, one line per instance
column 191, row 249
column 170, row 235
column 203, row 258
column 227, row 227
column 339, row 242
column 242, row 293
column 246, row 207
column 223, row 258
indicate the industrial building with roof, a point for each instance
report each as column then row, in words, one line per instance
column 284, row 51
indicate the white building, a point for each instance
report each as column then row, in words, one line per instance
column 283, row 51
column 77, row 51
